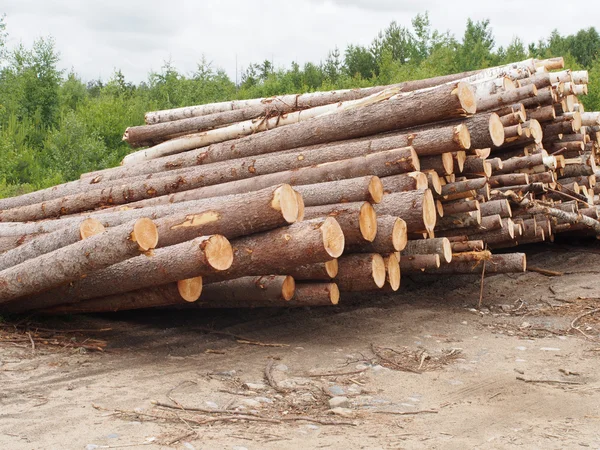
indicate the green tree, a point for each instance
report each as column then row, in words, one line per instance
column 475, row 51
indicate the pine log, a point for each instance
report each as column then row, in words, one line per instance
column 544, row 177
column 509, row 97
column 361, row 272
column 391, row 237
column 10, row 242
column 433, row 181
column 249, row 291
column 358, row 220
column 477, row 166
column 404, row 182
column 542, row 114
column 506, row 233
column 363, row 189
column 76, row 260
column 512, row 118
column 540, row 80
column 441, row 164
column 392, row 271
column 544, row 97
column 323, row 271
column 467, row 246
column 515, row 108
column 437, row 246
column 459, row 159
column 419, row 263
column 513, row 132
column 443, row 102
column 460, row 220
column 381, row 164
column 188, row 260
column 416, row 208
column 501, row 263
column 508, row 179
column 463, row 186
column 460, row 206
column 46, row 243
column 488, row 223
column 500, row 207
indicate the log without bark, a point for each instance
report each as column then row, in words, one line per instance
column 451, row 101
column 358, row 220
column 76, row 260
column 501, row 263
column 190, row 259
column 416, row 208
column 436, row 246
column 419, row 263
column 47, row 243
column 391, row 237
column 381, row 164
column 323, row 271
column 404, row 182
column 392, row 271
column 361, row 272
column 363, row 189
column 281, row 250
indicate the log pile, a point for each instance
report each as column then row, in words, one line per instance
column 299, row 199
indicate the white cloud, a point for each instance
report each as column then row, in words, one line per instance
column 138, row 35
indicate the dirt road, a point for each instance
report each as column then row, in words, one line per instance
column 424, row 369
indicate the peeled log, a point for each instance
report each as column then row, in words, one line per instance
column 363, row 189
column 47, row 243
column 436, row 246
column 416, row 208
column 391, row 237
column 500, row 263
column 361, row 272
column 316, row 271
column 440, row 103
column 190, row 259
column 281, row 250
column 76, row 260
column 358, row 220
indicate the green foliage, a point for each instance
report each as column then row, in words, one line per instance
column 54, row 126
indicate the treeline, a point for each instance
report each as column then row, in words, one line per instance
column 54, row 126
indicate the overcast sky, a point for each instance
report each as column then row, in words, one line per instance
column 97, row 36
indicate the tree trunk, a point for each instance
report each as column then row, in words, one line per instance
column 542, row 114
column 419, row 263
column 358, row 220
column 461, row 206
column 486, row 130
column 391, row 237
column 323, row 271
column 282, row 250
column 76, row 260
column 441, row 164
column 405, row 182
column 49, row 242
column 416, row 208
column 508, row 179
column 436, row 246
column 363, row 189
column 463, row 186
column 460, row 220
column 10, row 242
column 506, row 233
column 474, row 165
column 190, row 259
column 497, row 101
column 266, row 290
column 501, row 263
column 467, row 246
column 361, row 272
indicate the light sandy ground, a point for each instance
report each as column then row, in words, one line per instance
column 457, row 367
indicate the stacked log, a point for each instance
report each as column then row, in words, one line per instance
column 297, row 200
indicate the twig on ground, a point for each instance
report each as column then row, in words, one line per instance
column 333, row 374
column 548, row 273
column 409, row 413
column 528, row 380
column 576, row 319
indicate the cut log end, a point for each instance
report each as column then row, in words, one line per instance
column 331, row 267
column 439, row 207
column 429, row 211
column 536, row 131
column 145, row 234
column 399, row 235
column 462, row 136
column 288, row 288
column 376, row 189
column 90, row 227
column 466, row 96
column 333, row 237
column 285, row 199
column 378, row 270
column 393, row 271
column 448, row 163
column 334, row 293
column 300, row 206
column 218, row 252
column 190, row 288
column 487, row 169
column 447, row 250
column 367, row 222
column 496, row 130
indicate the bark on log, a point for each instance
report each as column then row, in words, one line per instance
column 391, row 237
column 76, row 260
column 460, row 220
column 363, row 189
column 497, row 101
column 49, row 242
column 444, row 102
column 508, row 179
column 433, row 181
column 441, row 164
column 418, row 263
column 190, row 259
column 467, row 246
column 361, row 272
column 436, row 246
column 544, row 97
column 323, row 271
column 463, row 186
column 478, row 166
column 542, row 114
column 461, row 206
column 281, row 250
column 10, row 242
column 275, row 290
column 500, row 207
column 512, row 118
column 358, row 220
column 404, row 182
column 416, row 208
